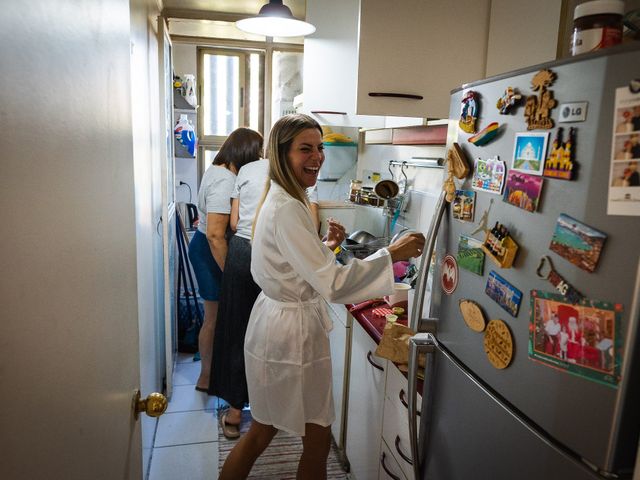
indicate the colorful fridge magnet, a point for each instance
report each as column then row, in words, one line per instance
column 498, row 344
column 483, row 224
column 529, row 152
column 503, row 293
column 499, row 246
column 510, row 98
column 537, row 109
column 577, row 242
column 464, row 205
column 583, row 340
column 485, row 135
column 469, row 111
column 523, row 191
column 488, row 175
column 546, row 271
column 457, row 166
column 472, row 315
column 449, row 277
column 470, row 254
column 559, row 163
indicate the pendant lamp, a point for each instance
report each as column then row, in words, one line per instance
column 275, row 20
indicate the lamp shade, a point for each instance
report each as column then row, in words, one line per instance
column 275, row 20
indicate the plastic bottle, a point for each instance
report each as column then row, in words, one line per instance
column 185, row 134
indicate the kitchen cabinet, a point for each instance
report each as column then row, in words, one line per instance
column 367, row 378
column 419, row 47
column 395, row 424
column 339, row 342
column 331, row 64
column 389, row 468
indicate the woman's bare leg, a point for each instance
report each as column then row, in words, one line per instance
column 315, row 450
column 205, row 342
column 234, row 416
column 240, row 460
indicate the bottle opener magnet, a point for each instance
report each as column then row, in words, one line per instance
column 557, row 281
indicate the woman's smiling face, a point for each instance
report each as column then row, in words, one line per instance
column 306, row 156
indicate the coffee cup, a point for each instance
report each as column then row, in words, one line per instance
column 399, row 296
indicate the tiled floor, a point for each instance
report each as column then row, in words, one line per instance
column 186, row 444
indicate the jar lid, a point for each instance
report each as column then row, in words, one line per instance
column 599, row 7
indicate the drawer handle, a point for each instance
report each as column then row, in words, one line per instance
column 396, row 95
column 404, row 401
column 404, row 457
column 370, row 360
column 327, row 112
column 384, row 467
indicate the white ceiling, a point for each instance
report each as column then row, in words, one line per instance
column 246, row 7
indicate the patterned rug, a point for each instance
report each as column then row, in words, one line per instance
column 280, row 460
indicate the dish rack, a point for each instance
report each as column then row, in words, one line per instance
column 363, row 250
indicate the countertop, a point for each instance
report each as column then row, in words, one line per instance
column 373, row 323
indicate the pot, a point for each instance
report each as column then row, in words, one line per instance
column 362, row 236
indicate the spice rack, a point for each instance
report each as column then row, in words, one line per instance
column 507, row 251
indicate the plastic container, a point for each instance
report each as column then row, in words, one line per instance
column 596, row 25
column 186, row 137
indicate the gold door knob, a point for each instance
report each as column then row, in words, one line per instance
column 154, row 405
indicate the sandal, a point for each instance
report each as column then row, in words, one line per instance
column 229, row 430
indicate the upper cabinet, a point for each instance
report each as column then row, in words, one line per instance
column 364, row 49
column 422, row 48
column 331, row 64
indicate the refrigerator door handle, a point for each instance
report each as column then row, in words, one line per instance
column 421, row 343
column 416, row 323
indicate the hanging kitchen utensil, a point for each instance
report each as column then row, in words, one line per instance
column 386, row 189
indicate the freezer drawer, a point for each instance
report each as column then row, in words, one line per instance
column 469, row 435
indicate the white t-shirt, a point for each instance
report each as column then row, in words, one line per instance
column 249, row 187
column 214, row 195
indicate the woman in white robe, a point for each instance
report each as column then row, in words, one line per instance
column 287, row 356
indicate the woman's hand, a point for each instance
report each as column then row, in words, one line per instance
column 406, row 247
column 335, row 234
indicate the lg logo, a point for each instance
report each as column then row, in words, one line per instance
column 573, row 112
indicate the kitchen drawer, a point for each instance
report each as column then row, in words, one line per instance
column 395, row 425
column 398, row 388
column 389, row 468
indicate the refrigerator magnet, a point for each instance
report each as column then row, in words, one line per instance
column 498, row 344
column 485, row 135
column 472, row 315
column 529, row 152
column 583, row 339
column 546, row 271
column 523, row 191
column 537, row 108
column 578, row 243
column 510, row 98
column 464, row 205
column 560, row 163
column 470, row 104
column 503, row 293
column 470, row 254
column 489, row 175
column 449, row 276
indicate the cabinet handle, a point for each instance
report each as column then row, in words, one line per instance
column 370, row 360
column 396, row 95
column 327, row 112
column 384, row 467
column 404, row 457
column 404, row 401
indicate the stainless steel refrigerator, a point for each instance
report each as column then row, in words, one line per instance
column 546, row 415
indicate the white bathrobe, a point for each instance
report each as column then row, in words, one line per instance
column 287, row 356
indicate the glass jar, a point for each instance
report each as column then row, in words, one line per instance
column 355, row 191
column 596, row 25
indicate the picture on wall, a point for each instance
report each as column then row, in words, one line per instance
column 582, row 339
column 577, row 242
column 530, row 152
column 523, row 191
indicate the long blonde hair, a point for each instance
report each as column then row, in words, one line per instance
column 281, row 137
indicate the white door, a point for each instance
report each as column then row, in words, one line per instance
column 69, row 345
